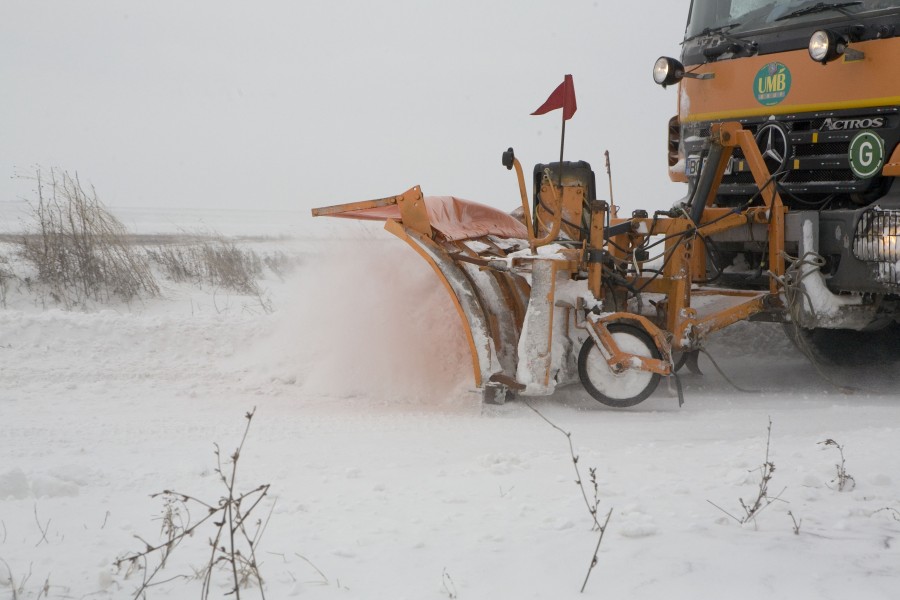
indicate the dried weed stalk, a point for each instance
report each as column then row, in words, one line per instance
column 797, row 523
column 579, row 481
column 843, row 480
column 893, row 512
column 78, row 249
column 763, row 499
column 595, row 559
column 17, row 588
column 449, row 586
column 592, row 506
column 233, row 545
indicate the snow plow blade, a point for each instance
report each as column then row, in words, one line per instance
column 457, row 237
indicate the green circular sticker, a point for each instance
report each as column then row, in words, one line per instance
column 772, row 84
column 866, row 154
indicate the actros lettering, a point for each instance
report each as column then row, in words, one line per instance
column 845, row 124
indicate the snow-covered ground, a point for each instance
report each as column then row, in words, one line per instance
column 386, row 473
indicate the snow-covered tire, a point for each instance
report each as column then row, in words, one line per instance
column 624, row 389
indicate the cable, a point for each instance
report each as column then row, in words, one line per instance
column 724, row 376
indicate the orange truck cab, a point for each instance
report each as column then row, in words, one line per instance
column 818, row 84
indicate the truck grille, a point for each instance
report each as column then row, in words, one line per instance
column 819, row 164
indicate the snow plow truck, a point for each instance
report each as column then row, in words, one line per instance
column 786, row 134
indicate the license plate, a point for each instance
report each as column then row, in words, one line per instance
column 694, row 166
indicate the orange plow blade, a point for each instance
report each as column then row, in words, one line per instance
column 456, row 238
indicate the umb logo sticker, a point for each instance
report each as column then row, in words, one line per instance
column 866, row 154
column 772, row 84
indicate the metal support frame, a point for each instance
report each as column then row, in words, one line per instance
column 684, row 251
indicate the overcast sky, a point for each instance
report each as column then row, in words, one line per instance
column 281, row 104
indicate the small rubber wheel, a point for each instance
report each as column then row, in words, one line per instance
column 624, row 389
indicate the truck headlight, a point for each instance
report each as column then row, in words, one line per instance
column 823, row 46
column 826, row 45
column 877, row 237
column 667, row 71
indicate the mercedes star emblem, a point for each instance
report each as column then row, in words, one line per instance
column 772, row 140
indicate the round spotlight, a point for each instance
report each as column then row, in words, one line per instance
column 825, row 46
column 667, row 71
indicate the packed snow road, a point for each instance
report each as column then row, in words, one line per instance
column 388, row 480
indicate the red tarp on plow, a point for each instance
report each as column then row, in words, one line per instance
column 454, row 218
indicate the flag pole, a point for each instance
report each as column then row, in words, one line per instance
column 562, row 143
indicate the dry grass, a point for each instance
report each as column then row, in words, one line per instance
column 78, row 249
column 75, row 252
column 215, row 261
column 6, row 278
column 280, row 263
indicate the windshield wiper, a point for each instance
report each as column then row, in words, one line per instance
column 820, row 7
column 732, row 44
column 710, row 31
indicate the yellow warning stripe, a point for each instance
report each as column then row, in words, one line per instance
column 789, row 109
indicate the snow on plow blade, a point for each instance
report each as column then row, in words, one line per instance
column 456, row 237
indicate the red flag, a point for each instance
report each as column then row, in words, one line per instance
column 562, row 97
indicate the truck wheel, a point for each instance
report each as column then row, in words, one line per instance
column 624, row 389
column 847, row 347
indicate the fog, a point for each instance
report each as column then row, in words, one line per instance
column 289, row 105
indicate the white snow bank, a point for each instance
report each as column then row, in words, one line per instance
column 118, row 404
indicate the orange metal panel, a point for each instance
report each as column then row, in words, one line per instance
column 618, row 358
column 454, row 218
column 573, row 206
column 595, row 269
column 724, row 318
column 873, row 81
column 892, row 168
column 376, row 210
column 413, row 211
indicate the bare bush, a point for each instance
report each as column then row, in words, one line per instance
column 233, row 546
column 78, row 249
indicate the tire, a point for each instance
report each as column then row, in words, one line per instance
column 624, row 389
column 847, row 347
